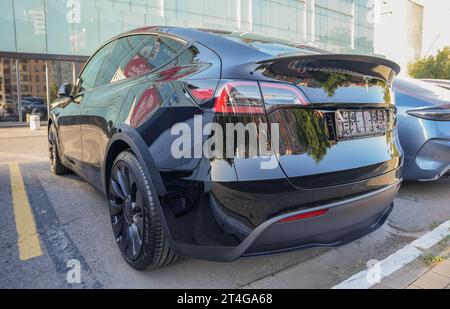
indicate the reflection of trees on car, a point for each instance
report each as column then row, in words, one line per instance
column 331, row 82
column 312, row 131
column 303, row 131
column 328, row 79
column 53, row 91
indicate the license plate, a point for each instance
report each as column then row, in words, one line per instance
column 356, row 124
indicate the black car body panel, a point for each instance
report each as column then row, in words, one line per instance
column 222, row 208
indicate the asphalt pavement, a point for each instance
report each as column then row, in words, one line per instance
column 72, row 227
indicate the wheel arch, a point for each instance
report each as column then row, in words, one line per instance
column 51, row 122
column 127, row 138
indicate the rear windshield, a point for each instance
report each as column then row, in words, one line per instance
column 271, row 46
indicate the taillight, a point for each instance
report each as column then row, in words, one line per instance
column 307, row 215
column 239, row 97
column 277, row 95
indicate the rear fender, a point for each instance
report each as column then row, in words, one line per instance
column 129, row 136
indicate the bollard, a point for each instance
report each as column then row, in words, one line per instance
column 35, row 122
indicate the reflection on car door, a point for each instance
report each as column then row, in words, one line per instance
column 69, row 132
column 130, row 59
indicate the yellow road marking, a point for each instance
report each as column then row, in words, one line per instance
column 28, row 238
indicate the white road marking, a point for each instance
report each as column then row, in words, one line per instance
column 398, row 260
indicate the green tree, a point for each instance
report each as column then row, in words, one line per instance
column 436, row 67
column 53, row 91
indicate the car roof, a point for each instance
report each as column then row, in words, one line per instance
column 205, row 35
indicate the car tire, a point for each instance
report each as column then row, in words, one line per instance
column 135, row 219
column 56, row 166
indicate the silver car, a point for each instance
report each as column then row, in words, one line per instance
column 444, row 83
column 424, row 128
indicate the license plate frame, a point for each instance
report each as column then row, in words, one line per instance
column 355, row 124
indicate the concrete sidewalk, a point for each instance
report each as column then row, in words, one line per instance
column 437, row 277
column 430, row 271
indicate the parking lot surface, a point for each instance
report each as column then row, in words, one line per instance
column 71, row 222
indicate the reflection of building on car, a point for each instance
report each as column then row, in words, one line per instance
column 337, row 171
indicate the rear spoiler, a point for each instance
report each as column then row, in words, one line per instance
column 349, row 64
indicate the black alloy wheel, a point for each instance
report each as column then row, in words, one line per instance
column 126, row 208
column 135, row 219
column 56, row 166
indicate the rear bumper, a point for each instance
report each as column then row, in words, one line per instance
column 431, row 162
column 346, row 221
column 426, row 145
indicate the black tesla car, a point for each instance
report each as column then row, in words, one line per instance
column 312, row 158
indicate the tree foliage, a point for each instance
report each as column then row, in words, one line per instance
column 53, row 92
column 435, row 67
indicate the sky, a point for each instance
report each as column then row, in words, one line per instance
column 436, row 25
column 391, row 33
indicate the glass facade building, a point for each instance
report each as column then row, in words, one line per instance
column 46, row 41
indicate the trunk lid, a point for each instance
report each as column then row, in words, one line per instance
column 345, row 133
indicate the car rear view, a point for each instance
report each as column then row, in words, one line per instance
column 327, row 163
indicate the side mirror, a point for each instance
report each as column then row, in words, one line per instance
column 65, row 90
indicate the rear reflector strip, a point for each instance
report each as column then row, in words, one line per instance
column 303, row 216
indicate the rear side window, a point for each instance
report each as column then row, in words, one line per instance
column 137, row 55
column 93, row 67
